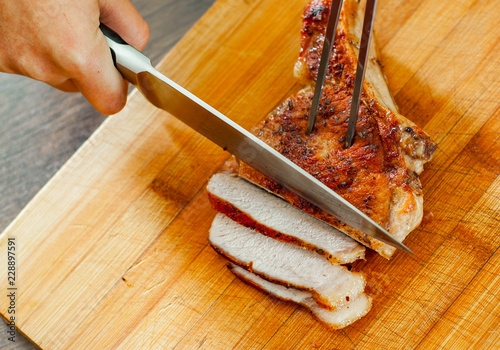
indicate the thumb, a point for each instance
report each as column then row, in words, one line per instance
column 123, row 18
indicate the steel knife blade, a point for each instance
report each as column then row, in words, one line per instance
column 169, row 96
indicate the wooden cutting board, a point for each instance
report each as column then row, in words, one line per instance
column 112, row 253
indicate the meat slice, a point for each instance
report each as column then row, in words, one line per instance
column 331, row 286
column 379, row 173
column 339, row 318
column 253, row 207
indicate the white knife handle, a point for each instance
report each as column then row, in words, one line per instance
column 128, row 60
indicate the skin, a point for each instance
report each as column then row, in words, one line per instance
column 59, row 42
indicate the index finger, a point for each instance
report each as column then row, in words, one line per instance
column 99, row 80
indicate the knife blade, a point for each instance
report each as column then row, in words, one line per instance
column 192, row 111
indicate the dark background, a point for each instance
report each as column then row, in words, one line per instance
column 40, row 127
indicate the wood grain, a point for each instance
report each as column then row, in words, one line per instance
column 114, row 248
column 42, row 127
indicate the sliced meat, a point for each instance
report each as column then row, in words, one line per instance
column 339, row 318
column 331, row 286
column 253, row 207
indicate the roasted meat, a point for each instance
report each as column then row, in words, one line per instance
column 263, row 236
column 379, row 173
column 414, row 144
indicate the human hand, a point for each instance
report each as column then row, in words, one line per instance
column 59, row 42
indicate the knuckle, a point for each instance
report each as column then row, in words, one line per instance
column 76, row 62
column 40, row 68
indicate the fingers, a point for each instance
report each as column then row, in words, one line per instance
column 99, row 80
column 65, row 48
column 123, row 18
column 96, row 77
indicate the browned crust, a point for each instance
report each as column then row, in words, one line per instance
column 244, row 219
column 342, row 68
column 342, row 65
column 388, row 151
column 363, row 174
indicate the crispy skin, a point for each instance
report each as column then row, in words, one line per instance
column 342, row 66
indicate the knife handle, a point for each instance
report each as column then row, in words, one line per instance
column 128, row 60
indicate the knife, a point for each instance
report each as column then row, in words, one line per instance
column 169, row 96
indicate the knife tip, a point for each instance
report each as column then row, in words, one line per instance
column 397, row 244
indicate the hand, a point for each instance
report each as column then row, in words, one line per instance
column 59, row 42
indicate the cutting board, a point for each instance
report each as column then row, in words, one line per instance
column 113, row 253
